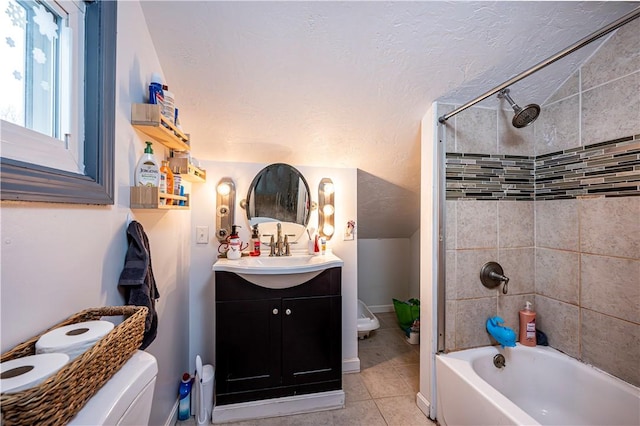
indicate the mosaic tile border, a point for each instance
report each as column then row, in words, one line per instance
column 489, row 177
column 610, row 169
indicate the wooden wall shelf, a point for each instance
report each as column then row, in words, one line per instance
column 147, row 119
column 187, row 171
column 150, row 197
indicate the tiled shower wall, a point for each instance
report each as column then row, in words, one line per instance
column 557, row 204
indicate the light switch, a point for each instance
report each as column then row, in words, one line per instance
column 202, row 234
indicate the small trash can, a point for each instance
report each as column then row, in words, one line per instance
column 204, row 395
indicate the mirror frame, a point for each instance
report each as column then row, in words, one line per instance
column 257, row 178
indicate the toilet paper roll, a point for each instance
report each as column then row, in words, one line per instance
column 29, row 371
column 73, row 339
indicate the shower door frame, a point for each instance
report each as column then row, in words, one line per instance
column 441, row 248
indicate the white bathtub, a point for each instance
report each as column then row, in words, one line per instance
column 538, row 386
column 367, row 321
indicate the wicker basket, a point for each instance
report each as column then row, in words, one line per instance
column 59, row 398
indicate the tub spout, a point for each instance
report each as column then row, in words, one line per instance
column 504, row 335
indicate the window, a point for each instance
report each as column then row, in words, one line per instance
column 42, row 50
column 50, row 117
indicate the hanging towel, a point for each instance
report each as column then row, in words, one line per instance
column 137, row 279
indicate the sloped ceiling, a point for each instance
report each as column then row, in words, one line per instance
column 345, row 84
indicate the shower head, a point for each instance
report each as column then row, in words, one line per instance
column 523, row 116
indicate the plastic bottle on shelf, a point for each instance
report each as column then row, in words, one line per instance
column 156, row 94
column 184, row 406
column 177, row 182
column 182, row 202
column 169, row 110
column 147, row 170
column 169, row 177
column 163, row 187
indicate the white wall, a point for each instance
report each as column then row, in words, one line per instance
column 60, row 259
column 414, row 266
column 202, row 283
column 428, row 260
column 384, row 272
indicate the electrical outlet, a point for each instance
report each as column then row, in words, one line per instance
column 202, row 234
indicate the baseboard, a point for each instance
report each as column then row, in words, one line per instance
column 377, row 309
column 276, row 407
column 351, row 365
column 173, row 416
column 423, row 405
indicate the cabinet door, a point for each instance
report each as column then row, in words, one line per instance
column 248, row 337
column 311, row 339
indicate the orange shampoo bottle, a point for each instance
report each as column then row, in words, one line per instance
column 527, row 335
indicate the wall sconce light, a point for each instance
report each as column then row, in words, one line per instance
column 225, row 205
column 326, row 208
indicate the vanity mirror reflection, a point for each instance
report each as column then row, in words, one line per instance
column 279, row 193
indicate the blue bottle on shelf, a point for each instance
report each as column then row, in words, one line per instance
column 184, row 407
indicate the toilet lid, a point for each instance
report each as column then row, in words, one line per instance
column 111, row 402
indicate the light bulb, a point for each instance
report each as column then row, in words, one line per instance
column 328, row 209
column 328, row 188
column 224, row 188
column 327, row 229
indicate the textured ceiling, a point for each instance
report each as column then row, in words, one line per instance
column 345, row 84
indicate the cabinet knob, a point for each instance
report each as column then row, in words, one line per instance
column 288, row 312
column 275, row 311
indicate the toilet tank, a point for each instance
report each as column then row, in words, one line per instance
column 126, row 398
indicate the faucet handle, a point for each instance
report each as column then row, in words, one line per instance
column 272, row 246
column 287, row 246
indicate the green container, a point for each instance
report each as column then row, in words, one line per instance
column 407, row 312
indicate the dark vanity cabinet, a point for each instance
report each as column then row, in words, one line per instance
column 277, row 342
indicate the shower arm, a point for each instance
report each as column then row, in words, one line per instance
column 504, row 93
column 578, row 45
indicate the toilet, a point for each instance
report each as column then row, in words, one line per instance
column 126, row 398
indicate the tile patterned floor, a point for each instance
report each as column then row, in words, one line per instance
column 383, row 393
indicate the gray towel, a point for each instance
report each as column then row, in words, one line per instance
column 138, row 281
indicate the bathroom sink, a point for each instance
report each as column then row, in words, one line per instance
column 279, row 271
column 278, row 265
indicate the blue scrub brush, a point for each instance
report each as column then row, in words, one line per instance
column 504, row 335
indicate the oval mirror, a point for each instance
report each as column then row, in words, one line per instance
column 279, row 193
